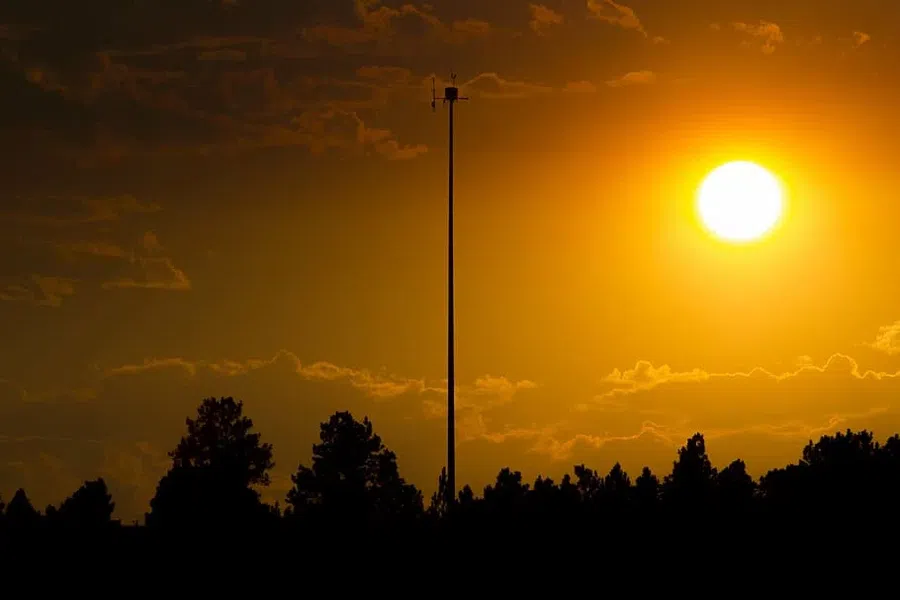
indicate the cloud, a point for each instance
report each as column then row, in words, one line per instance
column 230, row 93
column 764, row 415
column 473, row 27
column 616, row 14
column 336, row 128
column 112, row 208
column 153, row 364
column 492, row 86
column 385, row 74
column 769, row 32
column 54, row 289
column 15, row 293
column 159, row 273
column 888, row 339
column 579, row 87
column 376, row 385
column 644, row 376
column 547, row 442
column 485, row 393
column 96, row 248
column 156, row 270
column 633, row 78
column 543, row 18
column 758, row 401
column 645, row 412
column 501, row 386
column 860, row 38
column 381, row 24
column 68, row 212
column 151, row 243
column 41, row 291
column 796, row 432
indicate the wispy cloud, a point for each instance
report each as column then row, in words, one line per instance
column 153, row 364
column 15, row 292
column 661, row 405
column 379, row 23
column 632, row 78
column 472, row 27
column 377, row 385
column 644, row 376
column 580, row 87
column 616, row 14
column 561, row 447
column 54, row 289
column 158, row 272
column 486, row 392
column 493, row 86
column 42, row 291
column 770, row 33
column 95, row 248
column 86, row 210
column 84, row 217
column 543, row 18
column 338, row 128
column 888, row 339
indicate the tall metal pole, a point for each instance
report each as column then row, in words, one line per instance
column 451, row 95
column 451, row 346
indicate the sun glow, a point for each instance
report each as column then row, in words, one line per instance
column 740, row 201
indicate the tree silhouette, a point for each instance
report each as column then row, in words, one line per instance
column 213, row 469
column 353, row 475
column 847, row 473
column 692, row 481
column 91, row 506
column 438, row 507
column 842, row 482
column 466, row 497
column 220, row 438
column 589, row 484
column 507, row 493
column 616, row 492
column 735, row 487
column 20, row 513
column 646, row 489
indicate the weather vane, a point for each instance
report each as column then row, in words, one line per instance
column 451, row 96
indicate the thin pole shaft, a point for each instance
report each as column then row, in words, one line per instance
column 451, row 367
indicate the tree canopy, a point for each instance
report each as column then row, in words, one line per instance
column 352, row 474
column 213, row 470
column 352, row 492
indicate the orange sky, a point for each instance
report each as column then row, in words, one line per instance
column 247, row 198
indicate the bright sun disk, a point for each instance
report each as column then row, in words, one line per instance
column 739, row 201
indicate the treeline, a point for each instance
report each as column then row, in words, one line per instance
column 353, row 487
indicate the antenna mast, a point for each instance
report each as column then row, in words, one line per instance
column 451, row 96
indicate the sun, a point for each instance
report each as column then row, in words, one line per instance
column 740, row 201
